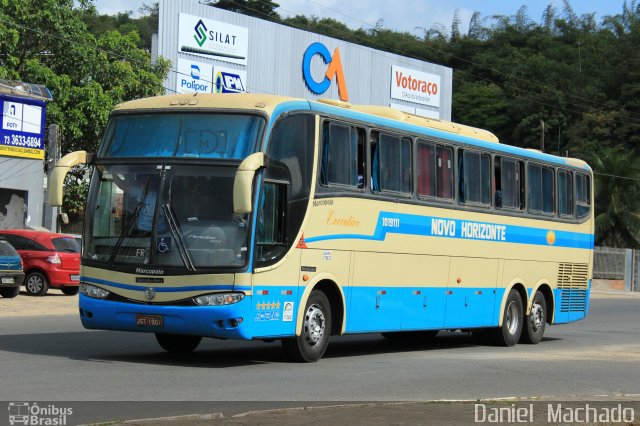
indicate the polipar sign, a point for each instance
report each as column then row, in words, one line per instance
column 415, row 86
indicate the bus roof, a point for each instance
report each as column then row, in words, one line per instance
column 266, row 103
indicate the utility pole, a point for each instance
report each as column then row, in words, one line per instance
column 542, row 136
column 53, row 154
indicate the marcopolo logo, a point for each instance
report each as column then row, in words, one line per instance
column 201, row 33
column 334, row 69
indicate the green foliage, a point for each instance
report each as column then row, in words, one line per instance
column 47, row 42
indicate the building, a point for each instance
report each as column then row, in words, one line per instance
column 214, row 50
column 22, row 155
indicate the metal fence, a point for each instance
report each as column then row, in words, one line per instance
column 617, row 264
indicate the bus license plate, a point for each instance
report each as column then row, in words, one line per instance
column 7, row 280
column 146, row 320
column 75, row 277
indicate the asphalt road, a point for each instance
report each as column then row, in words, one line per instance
column 52, row 358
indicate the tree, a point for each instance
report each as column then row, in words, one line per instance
column 617, row 199
column 46, row 42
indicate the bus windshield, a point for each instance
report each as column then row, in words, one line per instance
column 191, row 135
column 165, row 215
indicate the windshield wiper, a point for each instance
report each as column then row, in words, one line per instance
column 132, row 222
column 175, row 231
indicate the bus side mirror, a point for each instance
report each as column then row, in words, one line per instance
column 243, row 181
column 56, row 181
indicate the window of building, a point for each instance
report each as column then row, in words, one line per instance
column 474, row 177
column 435, row 170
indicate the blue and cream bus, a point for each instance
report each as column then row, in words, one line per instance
column 260, row 217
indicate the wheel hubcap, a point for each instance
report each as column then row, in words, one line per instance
column 34, row 284
column 512, row 318
column 537, row 316
column 314, row 325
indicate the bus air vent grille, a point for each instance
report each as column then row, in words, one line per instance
column 573, row 276
column 573, row 301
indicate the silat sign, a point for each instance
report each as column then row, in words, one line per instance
column 213, row 39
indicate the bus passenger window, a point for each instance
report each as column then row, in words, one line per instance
column 508, row 184
column 565, row 193
column 342, row 156
column 583, row 195
column 475, row 182
column 435, row 171
column 540, row 189
column 391, row 164
column 426, row 169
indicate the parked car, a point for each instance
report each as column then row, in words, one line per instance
column 49, row 260
column 11, row 275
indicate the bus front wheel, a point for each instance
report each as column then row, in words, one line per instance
column 178, row 343
column 512, row 321
column 312, row 343
column 536, row 321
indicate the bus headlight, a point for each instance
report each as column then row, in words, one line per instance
column 93, row 291
column 218, row 299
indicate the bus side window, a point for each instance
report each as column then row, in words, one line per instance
column 508, row 183
column 342, row 156
column 435, row 170
column 475, row 177
column 391, row 164
column 540, row 189
column 565, row 193
column 270, row 229
column 583, row 195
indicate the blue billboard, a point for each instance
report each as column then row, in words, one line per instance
column 22, row 131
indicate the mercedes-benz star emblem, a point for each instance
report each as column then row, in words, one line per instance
column 150, row 293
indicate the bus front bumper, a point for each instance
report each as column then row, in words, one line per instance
column 226, row 322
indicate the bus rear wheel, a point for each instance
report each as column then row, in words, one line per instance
column 312, row 343
column 535, row 322
column 512, row 318
column 178, row 343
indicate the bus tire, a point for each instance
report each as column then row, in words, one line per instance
column 512, row 318
column 535, row 322
column 312, row 343
column 178, row 343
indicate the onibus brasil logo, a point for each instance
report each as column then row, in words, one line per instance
column 25, row 413
column 201, row 33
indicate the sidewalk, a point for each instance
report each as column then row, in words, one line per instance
column 540, row 411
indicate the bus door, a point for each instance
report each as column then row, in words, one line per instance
column 471, row 292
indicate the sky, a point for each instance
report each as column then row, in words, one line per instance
column 412, row 16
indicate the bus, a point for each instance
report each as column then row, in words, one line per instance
column 260, row 217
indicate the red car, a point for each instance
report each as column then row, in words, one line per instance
column 49, row 260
